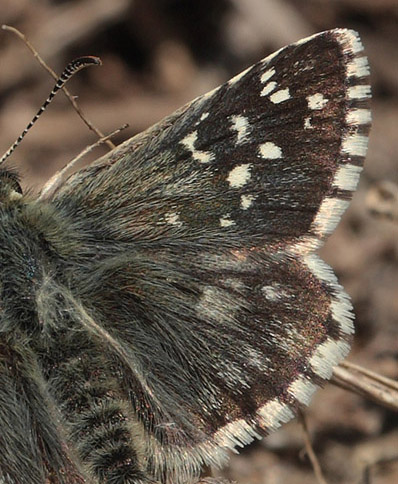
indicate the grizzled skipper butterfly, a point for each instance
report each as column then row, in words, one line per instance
column 165, row 304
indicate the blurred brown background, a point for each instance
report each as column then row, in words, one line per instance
column 160, row 54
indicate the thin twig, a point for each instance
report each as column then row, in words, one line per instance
column 367, row 475
column 366, row 383
column 54, row 182
column 310, row 451
column 55, row 76
column 371, row 374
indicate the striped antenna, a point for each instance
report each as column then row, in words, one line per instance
column 71, row 69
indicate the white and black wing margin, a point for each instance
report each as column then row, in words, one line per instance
column 197, row 243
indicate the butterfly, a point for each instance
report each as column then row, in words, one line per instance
column 165, row 304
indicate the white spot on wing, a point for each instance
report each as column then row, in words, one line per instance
column 239, row 176
column 172, row 218
column 246, row 201
column 305, row 245
column 257, row 359
column 235, row 434
column 307, row 123
column 359, row 92
column 268, row 88
column 275, row 292
column 201, row 156
column 273, row 414
column 226, row 221
column 347, row 177
column 328, row 355
column 329, row 215
column 350, row 40
column 204, row 116
column 270, row 151
column 342, row 313
column 317, row 101
column 189, row 140
column 340, row 305
column 355, row 145
column 358, row 67
column 271, row 293
column 217, row 304
column 267, row 75
column 280, row 96
column 319, row 268
column 302, row 389
column 241, row 126
column 358, row 116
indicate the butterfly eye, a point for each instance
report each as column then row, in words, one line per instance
column 10, row 178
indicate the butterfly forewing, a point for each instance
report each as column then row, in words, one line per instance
column 198, row 250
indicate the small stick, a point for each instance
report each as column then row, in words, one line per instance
column 55, row 76
column 366, row 383
column 55, row 181
column 309, row 449
column 371, row 374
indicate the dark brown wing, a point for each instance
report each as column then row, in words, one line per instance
column 196, row 243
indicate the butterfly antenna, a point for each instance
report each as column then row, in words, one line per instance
column 69, row 71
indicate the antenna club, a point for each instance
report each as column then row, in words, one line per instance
column 84, row 61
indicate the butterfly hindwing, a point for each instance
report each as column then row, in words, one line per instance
column 196, row 241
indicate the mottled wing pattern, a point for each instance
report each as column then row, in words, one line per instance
column 198, row 247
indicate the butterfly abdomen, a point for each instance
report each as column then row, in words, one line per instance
column 96, row 414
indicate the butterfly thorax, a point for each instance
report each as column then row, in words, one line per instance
column 28, row 254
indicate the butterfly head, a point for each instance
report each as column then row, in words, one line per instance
column 10, row 188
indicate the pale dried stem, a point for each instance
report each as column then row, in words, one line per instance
column 56, row 180
column 310, row 451
column 366, row 383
